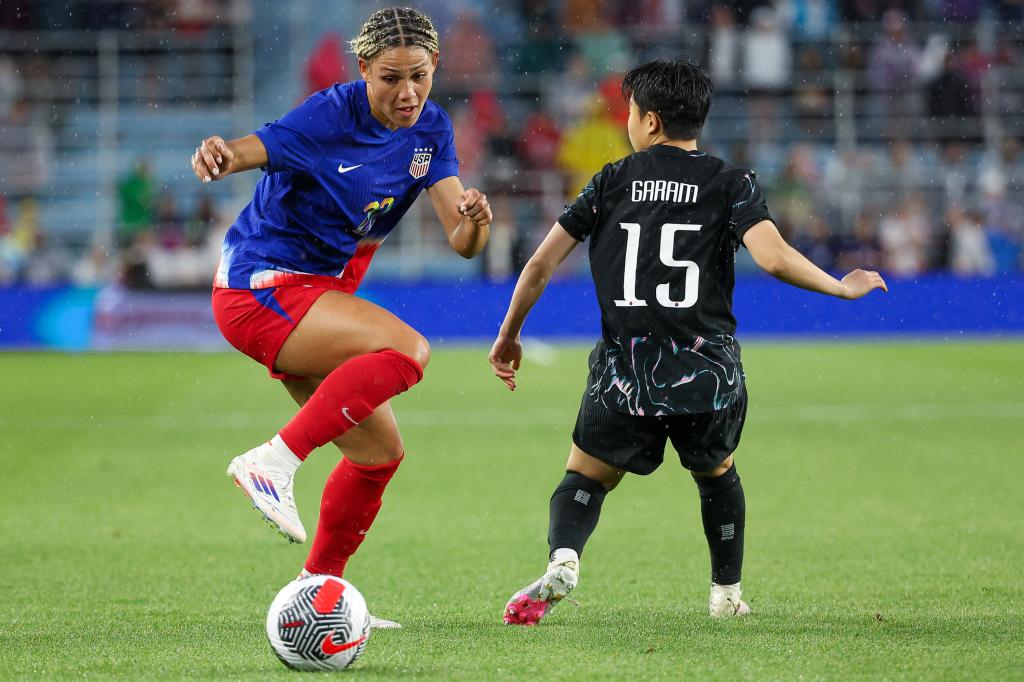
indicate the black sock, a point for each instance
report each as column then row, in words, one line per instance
column 575, row 508
column 723, row 509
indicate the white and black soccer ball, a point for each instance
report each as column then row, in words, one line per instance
column 318, row 623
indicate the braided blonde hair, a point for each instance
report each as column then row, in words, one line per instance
column 394, row 27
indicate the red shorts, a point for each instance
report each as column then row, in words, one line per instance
column 258, row 321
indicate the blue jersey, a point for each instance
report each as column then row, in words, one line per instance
column 337, row 182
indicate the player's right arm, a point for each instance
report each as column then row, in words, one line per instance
column 773, row 255
column 216, row 158
column 507, row 352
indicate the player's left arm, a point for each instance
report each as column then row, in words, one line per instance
column 465, row 214
column 779, row 259
column 507, row 352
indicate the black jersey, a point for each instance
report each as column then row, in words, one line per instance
column 664, row 225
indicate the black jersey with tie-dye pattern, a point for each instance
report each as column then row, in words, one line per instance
column 655, row 360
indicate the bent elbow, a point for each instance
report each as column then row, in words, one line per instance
column 774, row 267
column 469, row 251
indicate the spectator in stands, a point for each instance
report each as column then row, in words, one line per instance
column 470, row 140
column 11, row 87
column 858, row 11
column 543, row 48
column 816, row 244
column 539, row 141
column 48, row 261
column 470, row 54
column 1004, row 168
column 962, row 11
column 136, row 198
column 767, row 69
column 26, row 150
column 197, row 16
column 200, row 222
column 904, row 236
column 793, row 194
column 569, row 94
column 168, row 222
column 951, row 104
column 601, row 43
column 723, row 46
column 902, row 171
column 893, row 72
column 957, row 174
column 970, row 254
column 859, row 248
column 810, row 20
column 589, row 144
column 812, row 91
column 96, row 267
column 1002, row 214
column 326, row 64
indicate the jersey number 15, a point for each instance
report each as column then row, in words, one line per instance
column 668, row 241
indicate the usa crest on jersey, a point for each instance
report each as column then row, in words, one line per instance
column 420, row 162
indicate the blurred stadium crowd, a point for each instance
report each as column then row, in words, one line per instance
column 888, row 134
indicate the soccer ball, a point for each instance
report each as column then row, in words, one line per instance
column 318, row 623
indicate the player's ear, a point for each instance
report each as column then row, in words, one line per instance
column 364, row 69
column 653, row 122
column 434, row 59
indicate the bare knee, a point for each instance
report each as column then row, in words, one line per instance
column 593, row 468
column 416, row 347
column 716, row 472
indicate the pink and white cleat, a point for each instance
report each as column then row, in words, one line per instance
column 532, row 603
column 725, row 601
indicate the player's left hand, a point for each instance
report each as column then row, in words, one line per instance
column 473, row 204
column 860, row 283
column 505, row 356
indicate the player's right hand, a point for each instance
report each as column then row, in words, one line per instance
column 860, row 283
column 505, row 356
column 212, row 159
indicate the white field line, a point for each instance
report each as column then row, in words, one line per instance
column 491, row 417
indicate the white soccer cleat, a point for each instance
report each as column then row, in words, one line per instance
column 265, row 474
column 375, row 622
column 725, row 601
column 532, row 603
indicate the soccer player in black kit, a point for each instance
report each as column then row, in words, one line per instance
column 664, row 225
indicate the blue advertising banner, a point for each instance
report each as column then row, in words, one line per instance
column 88, row 319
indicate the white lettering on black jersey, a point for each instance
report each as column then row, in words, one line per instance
column 662, row 255
column 664, row 190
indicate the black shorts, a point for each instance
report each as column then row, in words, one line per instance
column 637, row 444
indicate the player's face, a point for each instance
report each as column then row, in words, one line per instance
column 398, row 81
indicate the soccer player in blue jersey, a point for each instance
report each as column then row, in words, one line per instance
column 341, row 169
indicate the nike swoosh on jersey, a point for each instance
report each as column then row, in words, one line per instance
column 330, row 648
column 342, row 169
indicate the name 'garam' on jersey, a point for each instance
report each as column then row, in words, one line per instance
column 664, row 225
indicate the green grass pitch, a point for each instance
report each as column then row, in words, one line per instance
column 885, row 525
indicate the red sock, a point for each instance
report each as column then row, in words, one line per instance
column 347, row 396
column 352, row 498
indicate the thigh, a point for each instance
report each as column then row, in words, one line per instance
column 633, row 444
column 705, row 441
column 339, row 326
column 375, row 440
